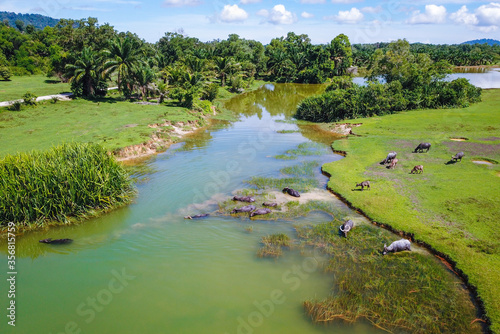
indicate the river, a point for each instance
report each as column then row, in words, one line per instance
column 146, row 269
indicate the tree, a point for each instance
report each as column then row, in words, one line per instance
column 224, row 66
column 143, row 78
column 86, row 74
column 19, row 25
column 341, row 53
column 122, row 56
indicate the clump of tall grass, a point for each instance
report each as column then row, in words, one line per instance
column 67, row 181
column 273, row 245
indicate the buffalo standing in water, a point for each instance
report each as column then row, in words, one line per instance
column 419, row 169
column 397, row 246
column 264, row 211
column 422, row 146
column 247, row 208
column 203, row 215
column 291, row 192
column 363, row 185
column 56, row 241
column 243, row 199
column 458, row 156
column 389, row 158
column 346, row 227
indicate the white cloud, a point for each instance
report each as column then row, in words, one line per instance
column 312, row 1
column 346, row 1
column 279, row 15
column 349, row 16
column 377, row 9
column 245, row 2
column 432, row 14
column 489, row 15
column 180, row 3
column 233, row 14
column 463, row 16
column 486, row 18
column 263, row 12
column 307, row 15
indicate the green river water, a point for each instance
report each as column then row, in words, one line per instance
column 145, row 269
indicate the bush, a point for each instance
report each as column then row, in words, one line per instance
column 29, row 99
column 70, row 180
column 5, row 73
column 211, row 92
column 204, row 106
column 16, row 106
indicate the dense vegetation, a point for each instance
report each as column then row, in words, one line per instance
column 410, row 82
column 488, row 41
column 67, row 181
column 24, row 21
column 457, row 55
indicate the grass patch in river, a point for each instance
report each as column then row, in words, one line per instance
column 409, row 292
column 273, row 245
column 298, row 183
column 304, row 169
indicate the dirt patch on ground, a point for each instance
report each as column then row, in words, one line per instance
column 474, row 148
column 314, row 195
column 490, row 139
column 345, row 128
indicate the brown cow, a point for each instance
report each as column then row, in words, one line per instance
column 419, row 169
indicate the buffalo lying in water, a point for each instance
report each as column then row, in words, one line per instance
column 291, row 192
column 397, row 246
column 264, row 211
column 243, row 199
column 56, row 241
column 203, row 215
column 247, row 208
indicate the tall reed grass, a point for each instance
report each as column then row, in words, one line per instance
column 68, row 181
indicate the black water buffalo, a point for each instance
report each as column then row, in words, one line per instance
column 264, row 211
column 346, row 227
column 56, row 241
column 393, row 163
column 422, row 146
column 363, row 185
column 389, row 158
column 458, row 156
column 243, row 199
column 291, row 192
column 203, row 215
column 398, row 246
column 247, row 208
column 271, row 204
column 419, row 169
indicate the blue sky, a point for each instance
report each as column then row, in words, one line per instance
column 363, row 21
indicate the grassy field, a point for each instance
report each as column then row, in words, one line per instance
column 39, row 85
column 453, row 207
column 112, row 123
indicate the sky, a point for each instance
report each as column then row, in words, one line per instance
column 363, row 21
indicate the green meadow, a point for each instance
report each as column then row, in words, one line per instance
column 36, row 84
column 452, row 207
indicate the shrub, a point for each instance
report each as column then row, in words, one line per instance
column 16, row 106
column 211, row 92
column 29, row 99
column 69, row 180
column 5, row 73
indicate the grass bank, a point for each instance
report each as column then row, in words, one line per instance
column 68, row 182
column 39, row 85
column 452, row 207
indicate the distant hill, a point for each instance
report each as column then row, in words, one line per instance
column 37, row 20
column 483, row 41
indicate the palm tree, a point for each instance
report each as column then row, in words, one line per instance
column 122, row 55
column 85, row 72
column 224, row 66
column 143, row 78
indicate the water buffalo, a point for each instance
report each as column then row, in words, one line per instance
column 203, row 215
column 243, row 199
column 398, row 246
column 291, row 192
column 271, row 204
column 56, row 241
column 419, row 169
column 363, row 185
column 264, row 211
column 247, row 208
column 346, row 227
column 389, row 158
column 458, row 156
column 422, row 146
column 393, row 163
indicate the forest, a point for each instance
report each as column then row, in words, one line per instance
column 92, row 57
